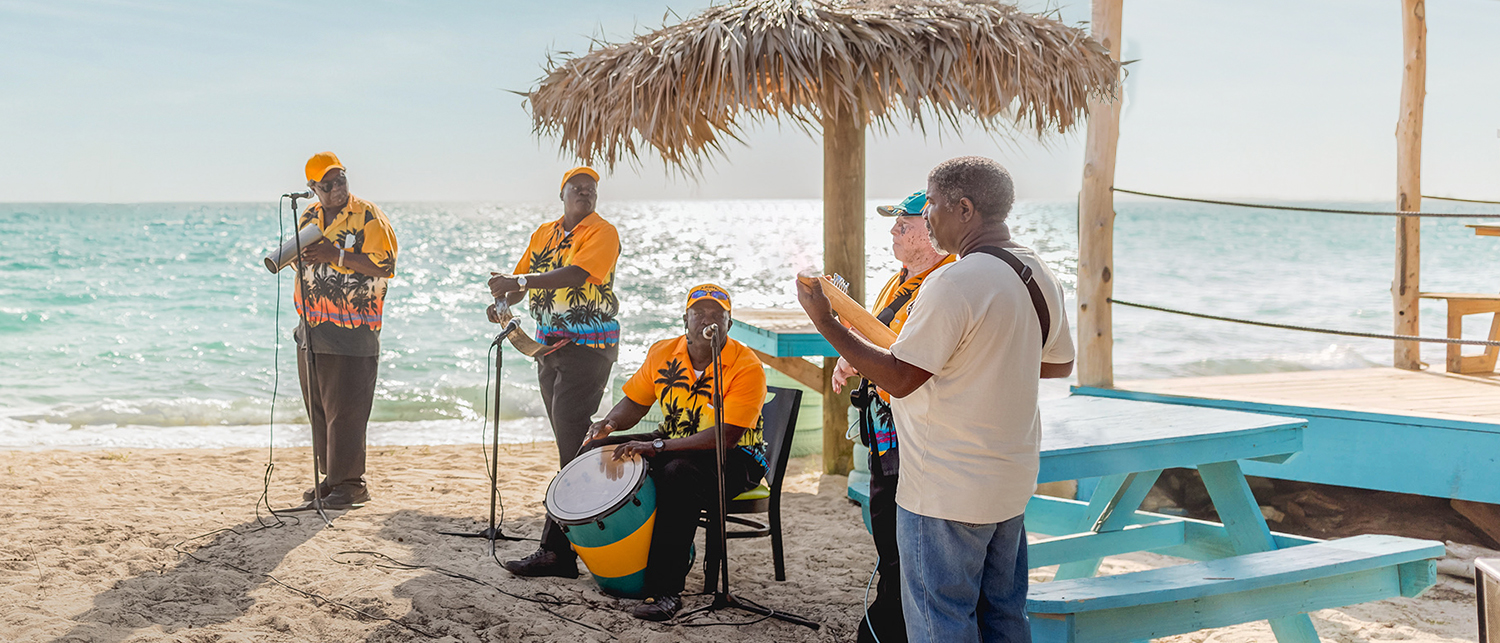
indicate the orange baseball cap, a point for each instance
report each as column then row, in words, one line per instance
column 710, row 292
column 582, row 169
column 319, row 165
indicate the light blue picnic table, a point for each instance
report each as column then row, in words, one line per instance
column 1251, row 573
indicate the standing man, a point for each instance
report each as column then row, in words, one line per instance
column 568, row 270
column 883, row 620
column 340, row 298
column 963, row 373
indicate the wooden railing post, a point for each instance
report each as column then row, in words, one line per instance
column 843, row 253
column 1096, row 219
column 1405, row 287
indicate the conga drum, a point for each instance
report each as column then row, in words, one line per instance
column 607, row 510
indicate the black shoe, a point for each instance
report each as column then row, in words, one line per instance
column 544, row 563
column 658, row 608
column 347, row 497
column 323, row 491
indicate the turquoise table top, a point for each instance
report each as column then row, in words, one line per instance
column 779, row 332
column 1087, row 437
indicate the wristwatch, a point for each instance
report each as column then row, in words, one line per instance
column 659, row 444
column 521, row 281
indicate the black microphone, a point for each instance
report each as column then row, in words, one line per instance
column 710, row 331
column 514, row 324
column 299, row 195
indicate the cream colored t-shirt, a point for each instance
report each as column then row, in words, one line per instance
column 970, row 436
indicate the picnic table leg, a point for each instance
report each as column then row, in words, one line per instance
column 1248, row 534
column 1110, row 509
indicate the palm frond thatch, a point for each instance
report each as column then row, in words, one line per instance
column 684, row 88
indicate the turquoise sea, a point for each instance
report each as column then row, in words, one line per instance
column 155, row 325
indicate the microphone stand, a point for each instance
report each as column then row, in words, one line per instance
column 312, row 370
column 493, row 533
column 723, row 598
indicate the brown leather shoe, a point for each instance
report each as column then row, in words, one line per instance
column 544, row 563
column 658, row 608
column 347, row 497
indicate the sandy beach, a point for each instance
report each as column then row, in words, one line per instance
column 164, row 545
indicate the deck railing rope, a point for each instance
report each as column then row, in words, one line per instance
column 1293, row 208
column 1449, row 198
column 1311, row 329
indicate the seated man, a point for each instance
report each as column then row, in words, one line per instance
column 679, row 373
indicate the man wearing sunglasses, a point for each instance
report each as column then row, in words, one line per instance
column 341, row 297
column 964, row 373
column 678, row 373
column 567, row 272
column 883, row 621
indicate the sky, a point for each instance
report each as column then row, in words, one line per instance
column 160, row 100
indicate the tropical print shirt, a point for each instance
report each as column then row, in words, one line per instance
column 883, row 438
column 344, row 308
column 687, row 399
column 584, row 314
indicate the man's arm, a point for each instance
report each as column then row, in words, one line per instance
column 700, row 441
column 873, row 362
column 1056, row 371
column 325, row 252
column 564, row 277
column 623, row 417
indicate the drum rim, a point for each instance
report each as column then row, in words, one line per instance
column 635, row 490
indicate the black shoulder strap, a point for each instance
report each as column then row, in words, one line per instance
column 1023, row 271
column 889, row 312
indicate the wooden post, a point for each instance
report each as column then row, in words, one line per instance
column 1096, row 219
column 843, row 253
column 1404, row 289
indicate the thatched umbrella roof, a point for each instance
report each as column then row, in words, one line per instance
column 837, row 66
column 682, row 89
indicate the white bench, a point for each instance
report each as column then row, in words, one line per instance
column 1261, row 586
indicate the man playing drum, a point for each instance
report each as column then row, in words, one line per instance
column 679, row 374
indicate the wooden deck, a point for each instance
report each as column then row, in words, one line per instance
column 1472, row 398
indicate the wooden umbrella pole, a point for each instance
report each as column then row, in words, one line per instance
column 1405, row 287
column 1096, row 219
column 843, row 253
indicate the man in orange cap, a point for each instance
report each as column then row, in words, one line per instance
column 679, row 374
column 341, row 299
column 568, row 270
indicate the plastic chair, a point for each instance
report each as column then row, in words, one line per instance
column 778, row 423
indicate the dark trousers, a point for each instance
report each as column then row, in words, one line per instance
column 572, row 379
column 338, row 395
column 685, row 487
column 884, row 616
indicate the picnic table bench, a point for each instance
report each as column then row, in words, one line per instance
column 1245, row 573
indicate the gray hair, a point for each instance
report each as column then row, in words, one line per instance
column 983, row 181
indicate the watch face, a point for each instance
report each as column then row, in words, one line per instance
column 658, row 444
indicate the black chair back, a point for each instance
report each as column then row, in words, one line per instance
column 778, row 423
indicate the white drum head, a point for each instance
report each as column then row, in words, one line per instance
column 593, row 485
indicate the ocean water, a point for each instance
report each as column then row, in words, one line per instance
column 155, row 325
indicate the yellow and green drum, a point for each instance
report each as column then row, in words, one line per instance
column 607, row 509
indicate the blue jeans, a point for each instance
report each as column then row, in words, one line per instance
column 962, row 582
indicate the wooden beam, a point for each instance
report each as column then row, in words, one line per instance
column 843, row 253
column 1096, row 219
column 1404, row 288
column 804, row 372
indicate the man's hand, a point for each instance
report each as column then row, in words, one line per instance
column 630, row 450
column 502, row 285
column 841, row 374
column 811, row 296
column 320, row 252
column 598, row 430
column 494, row 314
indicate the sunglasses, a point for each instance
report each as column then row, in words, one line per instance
column 708, row 293
column 330, row 184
